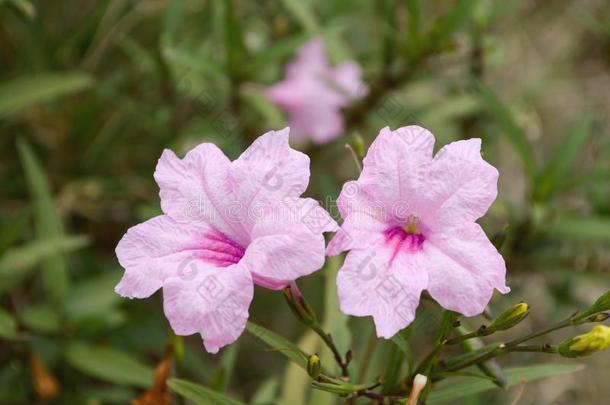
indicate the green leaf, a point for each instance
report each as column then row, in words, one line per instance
column 270, row 114
column 8, row 326
column 450, row 391
column 41, row 319
column 403, row 344
column 279, row 343
column 24, row 6
column 48, row 223
column 302, row 12
column 17, row 263
column 564, row 158
column 276, row 52
column 223, row 373
column 580, row 230
column 234, row 39
column 109, row 365
column 26, row 91
column 94, row 296
column 454, row 19
column 199, row 394
column 496, row 108
column 266, row 394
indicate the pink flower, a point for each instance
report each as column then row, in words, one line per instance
column 409, row 225
column 314, row 93
column 226, row 226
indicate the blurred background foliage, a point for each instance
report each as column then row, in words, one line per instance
column 92, row 91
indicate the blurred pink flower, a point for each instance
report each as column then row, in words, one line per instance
column 409, row 225
column 226, row 226
column 313, row 93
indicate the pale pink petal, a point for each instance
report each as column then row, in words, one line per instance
column 463, row 269
column 152, row 251
column 311, row 60
column 375, row 282
column 199, row 189
column 270, row 170
column 287, row 242
column 313, row 94
column 461, row 185
column 365, row 219
column 211, row 301
column 395, row 167
column 347, row 77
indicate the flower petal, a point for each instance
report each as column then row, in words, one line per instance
column 395, row 166
column 199, row 188
column 311, row 60
column 461, row 185
column 373, row 282
column 270, row 170
column 152, row 251
column 348, row 77
column 364, row 219
column 463, row 268
column 212, row 301
column 287, row 243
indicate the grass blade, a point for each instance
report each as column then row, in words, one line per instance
column 450, row 391
column 20, row 93
column 199, row 394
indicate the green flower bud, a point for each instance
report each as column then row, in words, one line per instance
column 510, row 318
column 596, row 340
column 602, row 303
column 359, row 146
column 298, row 305
column 313, row 366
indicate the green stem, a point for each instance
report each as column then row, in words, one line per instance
column 426, row 364
column 328, row 340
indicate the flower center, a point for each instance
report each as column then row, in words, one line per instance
column 218, row 249
column 412, row 226
column 407, row 238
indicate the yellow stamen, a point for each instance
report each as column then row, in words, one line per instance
column 411, row 227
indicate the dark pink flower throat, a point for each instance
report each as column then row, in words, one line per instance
column 407, row 238
column 218, row 249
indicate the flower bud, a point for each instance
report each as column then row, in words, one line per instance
column 510, row 318
column 297, row 303
column 602, row 303
column 419, row 382
column 597, row 339
column 359, row 146
column 313, row 366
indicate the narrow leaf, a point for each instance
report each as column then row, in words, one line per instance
column 496, row 108
column 199, row 394
column 8, row 326
column 302, row 12
column 109, row 365
column 450, row 391
column 23, row 92
column 564, row 158
column 279, row 343
column 48, row 223
column 17, row 263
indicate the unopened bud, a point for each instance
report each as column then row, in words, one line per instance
column 511, row 317
column 297, row 303
column 419, row 382
column 599, row 317
column 313, row 366
column 596, row 340
column 602, row 303
column 359, row 147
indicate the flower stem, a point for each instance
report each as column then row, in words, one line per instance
column 328, row 340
